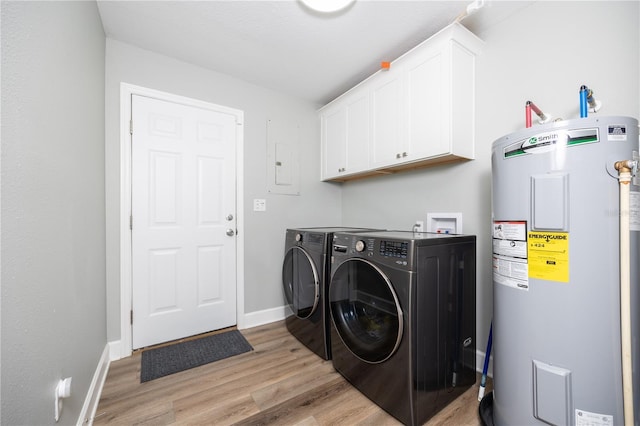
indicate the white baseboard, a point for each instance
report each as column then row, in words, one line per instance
column 115, row 350
column 88, row 412
column 254, row 319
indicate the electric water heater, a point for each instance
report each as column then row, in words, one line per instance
column 566, row 250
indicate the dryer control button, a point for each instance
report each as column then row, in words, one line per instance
column 360, row 245
column 298, row 237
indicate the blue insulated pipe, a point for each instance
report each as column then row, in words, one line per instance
column 583, row 101
column 487, row 355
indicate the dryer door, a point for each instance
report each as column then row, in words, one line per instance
column 365, row 310
column 300, row 282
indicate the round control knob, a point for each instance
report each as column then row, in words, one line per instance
column 298, row 237
column 360, row 245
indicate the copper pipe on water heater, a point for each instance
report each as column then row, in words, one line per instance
column 625, row 169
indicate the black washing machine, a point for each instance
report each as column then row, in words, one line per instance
column 403, row 318
column 305, row 278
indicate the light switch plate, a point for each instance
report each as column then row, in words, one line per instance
column 259, row 205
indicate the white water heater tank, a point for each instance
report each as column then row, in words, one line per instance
column 556, row 273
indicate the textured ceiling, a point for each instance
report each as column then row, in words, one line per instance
column 280, row 45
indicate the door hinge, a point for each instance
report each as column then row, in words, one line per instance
column 131, row 222
column 132, row 317
column 131, row 127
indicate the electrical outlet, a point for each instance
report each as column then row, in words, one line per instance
column 419, row 226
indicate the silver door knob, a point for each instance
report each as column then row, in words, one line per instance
column 229, row 217
column 230, row 232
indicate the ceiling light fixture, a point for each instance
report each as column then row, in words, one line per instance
column 327, row 6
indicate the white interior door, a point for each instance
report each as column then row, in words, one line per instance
column 183, row 220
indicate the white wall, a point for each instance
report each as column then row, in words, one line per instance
column 53, row 267
column 541, row 51
column 317, row 205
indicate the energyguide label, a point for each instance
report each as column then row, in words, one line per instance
column 549, row 255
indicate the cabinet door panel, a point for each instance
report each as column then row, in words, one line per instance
column 334, row 135
column 358, row 134
column 427, row 118
column 386, row 116
column 462, row 101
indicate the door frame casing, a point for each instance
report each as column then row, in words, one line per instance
column 126, row 284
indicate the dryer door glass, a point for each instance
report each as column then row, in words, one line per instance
column 300, row 282
column 365, row 310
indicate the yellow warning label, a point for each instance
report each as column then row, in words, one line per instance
column 548, row 255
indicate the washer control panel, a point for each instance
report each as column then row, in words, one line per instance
column 392, row 252
column 308, row 239
column 397, row 249
column 353, row 245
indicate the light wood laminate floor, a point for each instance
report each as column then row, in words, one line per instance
column 280, row 382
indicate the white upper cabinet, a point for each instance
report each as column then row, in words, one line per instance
column 426, row 104
column 334, row 141
column 345, row 128
column 387, row 117
column 419, row 112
